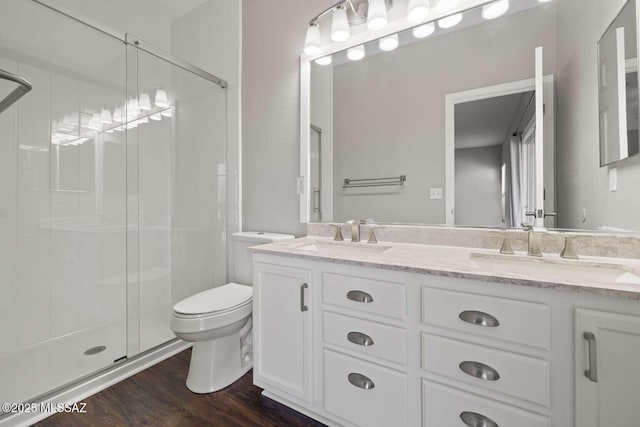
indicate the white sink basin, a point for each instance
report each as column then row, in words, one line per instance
column 575, row 270
column 342, row 248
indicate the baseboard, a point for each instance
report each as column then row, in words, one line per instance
column 298, row 408
column 93, row 384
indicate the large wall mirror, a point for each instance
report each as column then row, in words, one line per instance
column 488, row 122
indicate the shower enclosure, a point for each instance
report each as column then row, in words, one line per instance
column 112, row 197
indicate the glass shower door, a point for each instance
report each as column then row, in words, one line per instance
column 177, row 198
column 62, row 203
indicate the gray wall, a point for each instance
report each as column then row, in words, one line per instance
column 389, row 108
column 582, row 183
column 479, row 186
column 272, row 41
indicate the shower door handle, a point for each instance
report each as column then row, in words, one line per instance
column 19, row 92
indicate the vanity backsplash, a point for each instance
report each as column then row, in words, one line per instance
column 587, row 244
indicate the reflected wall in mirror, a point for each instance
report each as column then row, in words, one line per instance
column 618, row 87
column 401, row 112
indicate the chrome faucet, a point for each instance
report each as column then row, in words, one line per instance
column 534, row 239
column 355, row 229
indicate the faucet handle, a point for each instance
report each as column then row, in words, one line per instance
column 506, row 248
column 569, row 250
column 372, row 235
column 338, row 236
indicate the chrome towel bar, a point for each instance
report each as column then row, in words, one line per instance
column 374, row 182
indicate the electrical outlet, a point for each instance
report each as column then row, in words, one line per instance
column 436, row 194
column 613, row 179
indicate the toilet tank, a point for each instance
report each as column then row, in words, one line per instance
column 241, row 271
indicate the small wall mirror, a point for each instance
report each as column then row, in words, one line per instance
column 618, row 87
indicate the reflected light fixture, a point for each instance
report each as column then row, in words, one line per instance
column 356, row 53
column 312, row 42
column 161, row 99
column 418, row 10
column 495, row 9
column 340, row 30
column 105, row 117
column 325, row 60
column 450, row 21
column 377, row 15
column 424, row 30
column 389, row 43
column 156, row 117
column 117, row 114
column 167, row 113
column 144, row 102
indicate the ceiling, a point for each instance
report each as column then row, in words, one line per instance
column 487, row 122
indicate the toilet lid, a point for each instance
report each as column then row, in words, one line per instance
column 222, row 298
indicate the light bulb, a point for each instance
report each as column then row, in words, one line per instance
column 161, row 99
column 325, row 60
column 117, row 114
column 105, row 117
column 377, row 15
column 312, row 41
column 446, row 5
column 133, row 108
column 167, row 113
column 424, row 30
column 450, row 21
column 144, row 101
column 340, row 30
column 356, row 53
column 418, row 10
column 495, row 9
column 389, row 43
column 156, row 117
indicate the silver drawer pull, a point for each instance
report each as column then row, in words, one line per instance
column 360, row 339
column 592, row 371
column 361, row 381
column 479, row 318
column 479, row 370
column 473, row 419
column 359, row 296
column 303, row 306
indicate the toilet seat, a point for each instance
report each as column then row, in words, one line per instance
column 215, row 301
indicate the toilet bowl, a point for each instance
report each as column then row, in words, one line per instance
column 218, row 322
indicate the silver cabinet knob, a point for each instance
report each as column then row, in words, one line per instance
column 479, row 318
column 479, row 370
column 361, row 381
column 473, row 419
column 359, row 296
column 359, row 338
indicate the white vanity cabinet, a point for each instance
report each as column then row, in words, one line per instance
column 607, row 374
column 381, row 347
column 282, row 309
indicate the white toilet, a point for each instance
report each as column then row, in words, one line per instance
column 218, row 321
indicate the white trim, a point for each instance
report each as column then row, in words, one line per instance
column 451, row 100
column 95, row 384
column 305, row 136
column 539, row 133
column 622, row 93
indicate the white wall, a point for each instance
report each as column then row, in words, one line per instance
column 582, row 183
column 479, row 186
column 272, row 41
column 389, row 109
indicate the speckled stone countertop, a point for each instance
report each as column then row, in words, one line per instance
column 614, row 277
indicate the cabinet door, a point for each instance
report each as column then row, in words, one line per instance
column 607, row 374
column 282, row 329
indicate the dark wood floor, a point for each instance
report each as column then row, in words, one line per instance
column 158, row 397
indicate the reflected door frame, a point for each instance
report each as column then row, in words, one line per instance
column 510, row 88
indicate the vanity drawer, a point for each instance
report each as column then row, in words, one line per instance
column 363, row 393
column 444, row 406
column 371, row 338
column 365, row 295
column 503, row 319
column 500, row 371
